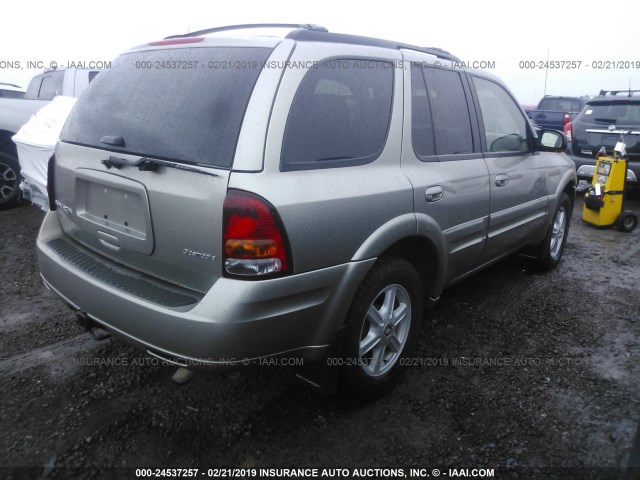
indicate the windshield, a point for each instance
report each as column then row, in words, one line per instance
column 177, row 104
column 621, row 112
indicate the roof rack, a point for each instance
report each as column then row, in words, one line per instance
column 316, row 33
column 304, row 26
column 320, row 36
column 615, row 92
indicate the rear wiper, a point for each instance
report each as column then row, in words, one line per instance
column 605, row 120
column 143, row 163
column 151, row 165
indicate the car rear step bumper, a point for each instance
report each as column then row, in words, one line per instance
column 235, row 323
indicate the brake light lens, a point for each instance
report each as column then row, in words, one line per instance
column 254, row 241
column 568, row 131
column 51, row 190
column 566, row 118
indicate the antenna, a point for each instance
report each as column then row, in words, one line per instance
column 546, row 71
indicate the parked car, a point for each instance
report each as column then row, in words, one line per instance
column 555, row 112
column 591, row 132
column 36, row 141
column 15, row 112
column 305, row 197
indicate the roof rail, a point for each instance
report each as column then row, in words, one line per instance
column 305, row 26
column 316, row 33
column 615, row 92
column 320, row 36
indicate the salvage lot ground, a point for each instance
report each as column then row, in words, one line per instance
column 516, row 370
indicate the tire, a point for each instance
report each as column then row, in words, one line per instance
column 9, row 181
column 549, row 253
column 627, row 222
column 377, row 336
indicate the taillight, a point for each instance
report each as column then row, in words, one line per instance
column 566, row 118
column 254, row 240
column 51, row 190
column 568, row 131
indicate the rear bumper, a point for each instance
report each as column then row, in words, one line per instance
column 586, row 167
column 235, row 323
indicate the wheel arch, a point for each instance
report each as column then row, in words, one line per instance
column 416, row 238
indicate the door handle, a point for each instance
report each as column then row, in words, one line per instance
column 501, row 180
column 433, row 194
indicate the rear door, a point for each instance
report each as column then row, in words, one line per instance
column 445, row 165
column 517, row 177
column 144, row 159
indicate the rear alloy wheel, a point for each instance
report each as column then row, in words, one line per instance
column 9, row 180
column 381, row 329
column 550, row 251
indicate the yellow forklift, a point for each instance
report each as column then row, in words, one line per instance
column 604, row 201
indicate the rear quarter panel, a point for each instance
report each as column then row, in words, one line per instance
column 328, row 214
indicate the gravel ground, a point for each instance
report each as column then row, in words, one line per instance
column 532, row 374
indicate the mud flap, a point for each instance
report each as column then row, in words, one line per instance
column 323, row 375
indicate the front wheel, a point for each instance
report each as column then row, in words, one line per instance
column 550, row 251
column 381, row 328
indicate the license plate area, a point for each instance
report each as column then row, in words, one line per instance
column 114, row 209
column 603, row 139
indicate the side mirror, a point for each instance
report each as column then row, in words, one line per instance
column 551, row 141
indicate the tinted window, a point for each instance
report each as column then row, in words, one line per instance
column 11, row 94
column 187, row 114
column 560, row 104
column 92, row 75
column 340, row 115
column 623, row 112
column 505, row 127
column 51, row 86
column 421, row 124
column 452, row 125
column 34, row 88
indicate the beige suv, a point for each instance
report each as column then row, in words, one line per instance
column 220, row 200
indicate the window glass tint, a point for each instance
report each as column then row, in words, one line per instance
column 51, row 86
column 34, row 88
column 187, row 114
column 92, row 75
column 622, row 112
column 452, row 125
column 505, row 128
column 340, row 115
column 11, row 94
column 421, row 125
column 560, row 104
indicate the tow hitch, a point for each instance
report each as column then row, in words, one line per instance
column 90, row 326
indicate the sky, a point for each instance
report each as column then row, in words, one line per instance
column 513, row 39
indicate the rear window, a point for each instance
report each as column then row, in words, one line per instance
column 340, row 115
column 46, row 86
column 560, row 104
column 178, row 104
column 620, row 112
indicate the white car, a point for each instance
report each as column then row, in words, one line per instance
column 9, row 90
